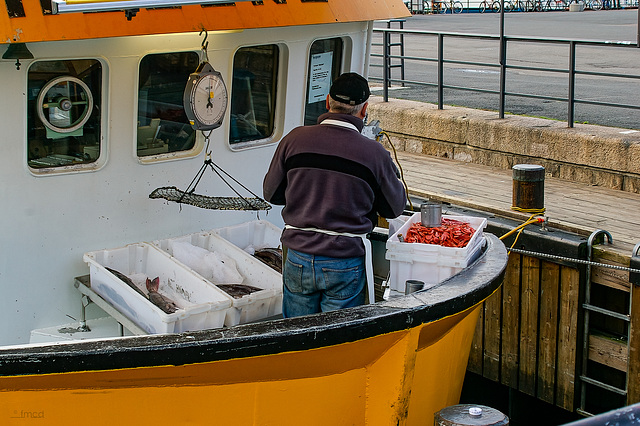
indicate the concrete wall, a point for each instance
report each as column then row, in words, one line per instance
column 597, row 155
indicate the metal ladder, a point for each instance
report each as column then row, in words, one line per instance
column 588, row 309
column 387, row 48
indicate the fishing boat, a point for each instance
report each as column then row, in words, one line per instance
column 95, row 120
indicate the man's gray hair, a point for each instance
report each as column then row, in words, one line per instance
column 342, row 108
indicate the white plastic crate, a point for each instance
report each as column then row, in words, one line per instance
column 254, row 306
column 201, row 305
column 251, row 236
column 430, row 263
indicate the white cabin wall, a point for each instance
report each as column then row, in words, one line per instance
column 49, row 222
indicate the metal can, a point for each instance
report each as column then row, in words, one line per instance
column 431, row 214
column 411, row 286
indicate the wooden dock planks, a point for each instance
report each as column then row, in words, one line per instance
column 548, row 330
column 527, row 336
column 567, row 338
column 633, row 375
column 492, row 333
column 510, row 316
column 529, row 325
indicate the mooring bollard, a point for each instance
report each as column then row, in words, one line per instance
column 470, row 415
column 528, row 187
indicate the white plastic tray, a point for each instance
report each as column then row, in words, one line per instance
column 430, row 263
column 252, row 307
column 201, row 305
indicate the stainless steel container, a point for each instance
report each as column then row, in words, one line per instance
column 431, row 214
column 411, row 286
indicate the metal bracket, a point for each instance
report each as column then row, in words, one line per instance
column 130, row 13
column 592, row 238
column 634, row 263
column 590, row 243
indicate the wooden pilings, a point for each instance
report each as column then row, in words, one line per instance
column 530, row 333
column 527, row 338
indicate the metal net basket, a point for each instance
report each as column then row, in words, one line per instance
column 171, row 193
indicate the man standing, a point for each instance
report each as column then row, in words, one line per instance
column 333, row 182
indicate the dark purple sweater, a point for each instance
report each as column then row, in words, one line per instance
column 332, row 177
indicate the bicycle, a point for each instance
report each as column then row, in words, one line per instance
column 593, row 4
column 483, row 6
column 491, row 5
column 496, row 5
column 450, row 6
column 523, row 6
column 557, row 5
column 426, row 6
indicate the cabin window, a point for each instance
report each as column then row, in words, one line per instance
column 163, row 127
column 64, row 114
column 253, row 94
column 325, row 59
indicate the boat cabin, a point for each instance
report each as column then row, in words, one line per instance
column 93, row 121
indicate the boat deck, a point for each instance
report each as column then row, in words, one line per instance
column 571, row 206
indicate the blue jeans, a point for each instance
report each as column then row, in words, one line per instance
column 319, row 283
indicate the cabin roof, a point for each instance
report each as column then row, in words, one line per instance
column 33, row 20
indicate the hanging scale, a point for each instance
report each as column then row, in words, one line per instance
column 205, row 103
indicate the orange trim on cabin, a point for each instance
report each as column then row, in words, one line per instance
column 36, row 27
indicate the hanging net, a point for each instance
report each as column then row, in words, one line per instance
column 171, row 193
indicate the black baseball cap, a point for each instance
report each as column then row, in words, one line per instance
column 350, row 88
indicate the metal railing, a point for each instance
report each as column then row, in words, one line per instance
column 501, row 64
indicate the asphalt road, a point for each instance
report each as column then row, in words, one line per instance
column 612, row 25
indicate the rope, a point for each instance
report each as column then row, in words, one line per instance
column 533, row 211
column 395, row 155
column 520, row 228
column 569, row 259
column 534, row 219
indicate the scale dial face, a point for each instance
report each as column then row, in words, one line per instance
column 205, row 98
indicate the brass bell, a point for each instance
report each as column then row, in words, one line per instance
column 17, row 51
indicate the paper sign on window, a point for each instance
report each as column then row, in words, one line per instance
column 320, row 80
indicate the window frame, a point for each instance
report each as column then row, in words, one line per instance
column 198, row 145
column 341, row 67
column 101, row 160
column 280, row 95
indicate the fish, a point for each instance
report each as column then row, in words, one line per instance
column 272, row 257
column 127, row 280
column 237, row 290
column 167, row 305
